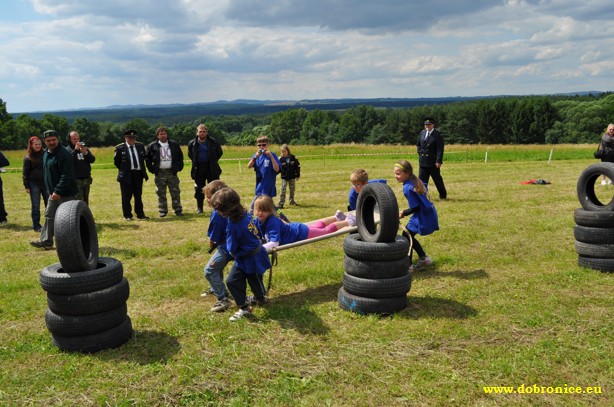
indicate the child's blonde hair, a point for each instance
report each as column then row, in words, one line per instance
column 264, row 203
column 214, row 186
column 359, row 176
column 406, row 167
column 285, row 147
column 262, row 139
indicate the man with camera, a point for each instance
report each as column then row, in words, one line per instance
column 82, row 159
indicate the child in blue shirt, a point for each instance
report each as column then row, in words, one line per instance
column 358, row 178
column 424, row 220
column 214, row 270
column 276, row 232
column 267, row 164
column 243, row 243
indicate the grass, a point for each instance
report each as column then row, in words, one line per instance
column 504, row 305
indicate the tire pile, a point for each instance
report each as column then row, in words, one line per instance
column 86, row 294
column 594, row 229
column 376, row 279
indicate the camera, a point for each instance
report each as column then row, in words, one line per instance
column 262, row 151
column 82, row 144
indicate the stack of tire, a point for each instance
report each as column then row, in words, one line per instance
column 594, row 229
column 376, row 279
column 86, row 294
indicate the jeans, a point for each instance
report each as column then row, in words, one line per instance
column 236, row 283
column 214, row 272
column 36, row 192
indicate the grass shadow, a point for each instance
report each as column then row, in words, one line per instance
column 116, row 226
column 461, row 275
column 145, row 348
column 113, row 252
column 293, row 311
column 433, row 307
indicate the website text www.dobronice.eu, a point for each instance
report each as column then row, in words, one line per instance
column 537, row 389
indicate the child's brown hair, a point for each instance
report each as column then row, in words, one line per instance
column 214, row 186
column 406, row 167
column 359, row 176
column 264, row 203
column 228, row 202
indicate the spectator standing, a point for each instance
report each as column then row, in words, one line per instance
column 268, row 165
column 607, row 146
column 60, row 182
column 164, row 159
column 129, row 159
column 430, row 147
column 3, row 215
column 290, row 173
column 33, row 179
column 205, row 153
column 82, row 160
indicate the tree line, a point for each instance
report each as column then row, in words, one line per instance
column 497, row 120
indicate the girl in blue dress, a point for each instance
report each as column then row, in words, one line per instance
column 423, row 220
column 243, row 243
column 276, row 232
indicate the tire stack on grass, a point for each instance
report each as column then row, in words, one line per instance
column 86, row 295
column 376, row 278
column 594, row 230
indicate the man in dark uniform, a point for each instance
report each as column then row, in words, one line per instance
column 205, row 152
column 430, row 152
column 60, row 182
column 82, row 159
column 130, row 160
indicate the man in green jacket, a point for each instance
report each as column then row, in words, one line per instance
column 60, row 181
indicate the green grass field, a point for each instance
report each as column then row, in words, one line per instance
column 505, row 303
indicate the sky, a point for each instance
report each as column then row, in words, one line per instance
column 71, row 54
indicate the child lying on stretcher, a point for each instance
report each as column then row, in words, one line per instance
column 278, row 233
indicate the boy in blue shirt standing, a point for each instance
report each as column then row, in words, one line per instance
column 268, row 166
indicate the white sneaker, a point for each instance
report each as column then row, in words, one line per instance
column 2, row 169
column 351, row 219
column 339, row 215
column 240, row 314
column 427, row 261
column 603, row 182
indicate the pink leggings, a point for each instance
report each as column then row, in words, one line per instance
column 319, row 228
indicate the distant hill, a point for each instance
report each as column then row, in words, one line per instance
column 181, row 113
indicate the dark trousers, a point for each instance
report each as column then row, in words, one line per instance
column 237, row 281
column 415, row 245
column 203, row 177
column 133, row 188
column 3, row 213
column 435, row 173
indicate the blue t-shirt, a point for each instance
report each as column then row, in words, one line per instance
column 243, row 241
column 425, row 221
column 217, row 228
column 264, row 166
column 276, row 230
column 353, row 197
column 202, row 152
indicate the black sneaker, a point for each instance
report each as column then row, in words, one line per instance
column 162, row 214
column 42, row 245
column 178, row 213
column 142, row 217
column 251, row 300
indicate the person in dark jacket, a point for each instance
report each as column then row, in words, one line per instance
column 60, row 182
column 164, row 159
column 33, row 180
column 82, row 159
column 129, row 159
column 205, row 152
column 290, row 173
column 3, row 215
column 607, row 146
column 430, row 147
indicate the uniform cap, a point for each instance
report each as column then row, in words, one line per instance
column 50, row 133
column 130, row 133
column 429, row 120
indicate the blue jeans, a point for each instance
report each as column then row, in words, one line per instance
column 36, row 192
column 214, row 272
column 237, row 280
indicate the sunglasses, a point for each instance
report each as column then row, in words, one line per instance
column 261, row 145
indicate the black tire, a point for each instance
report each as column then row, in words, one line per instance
column 586, row 187
column 90, row 303
column 376, row 269
column 601, row 251
column 111, row 338
column 377, row 288
column 596, row 264
column 361, row 305
column 596, row 219
column 587, row 234
column 76, row 239
column 79, row 325
column 377, row 195
column 56, row 280
column 358, row 249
